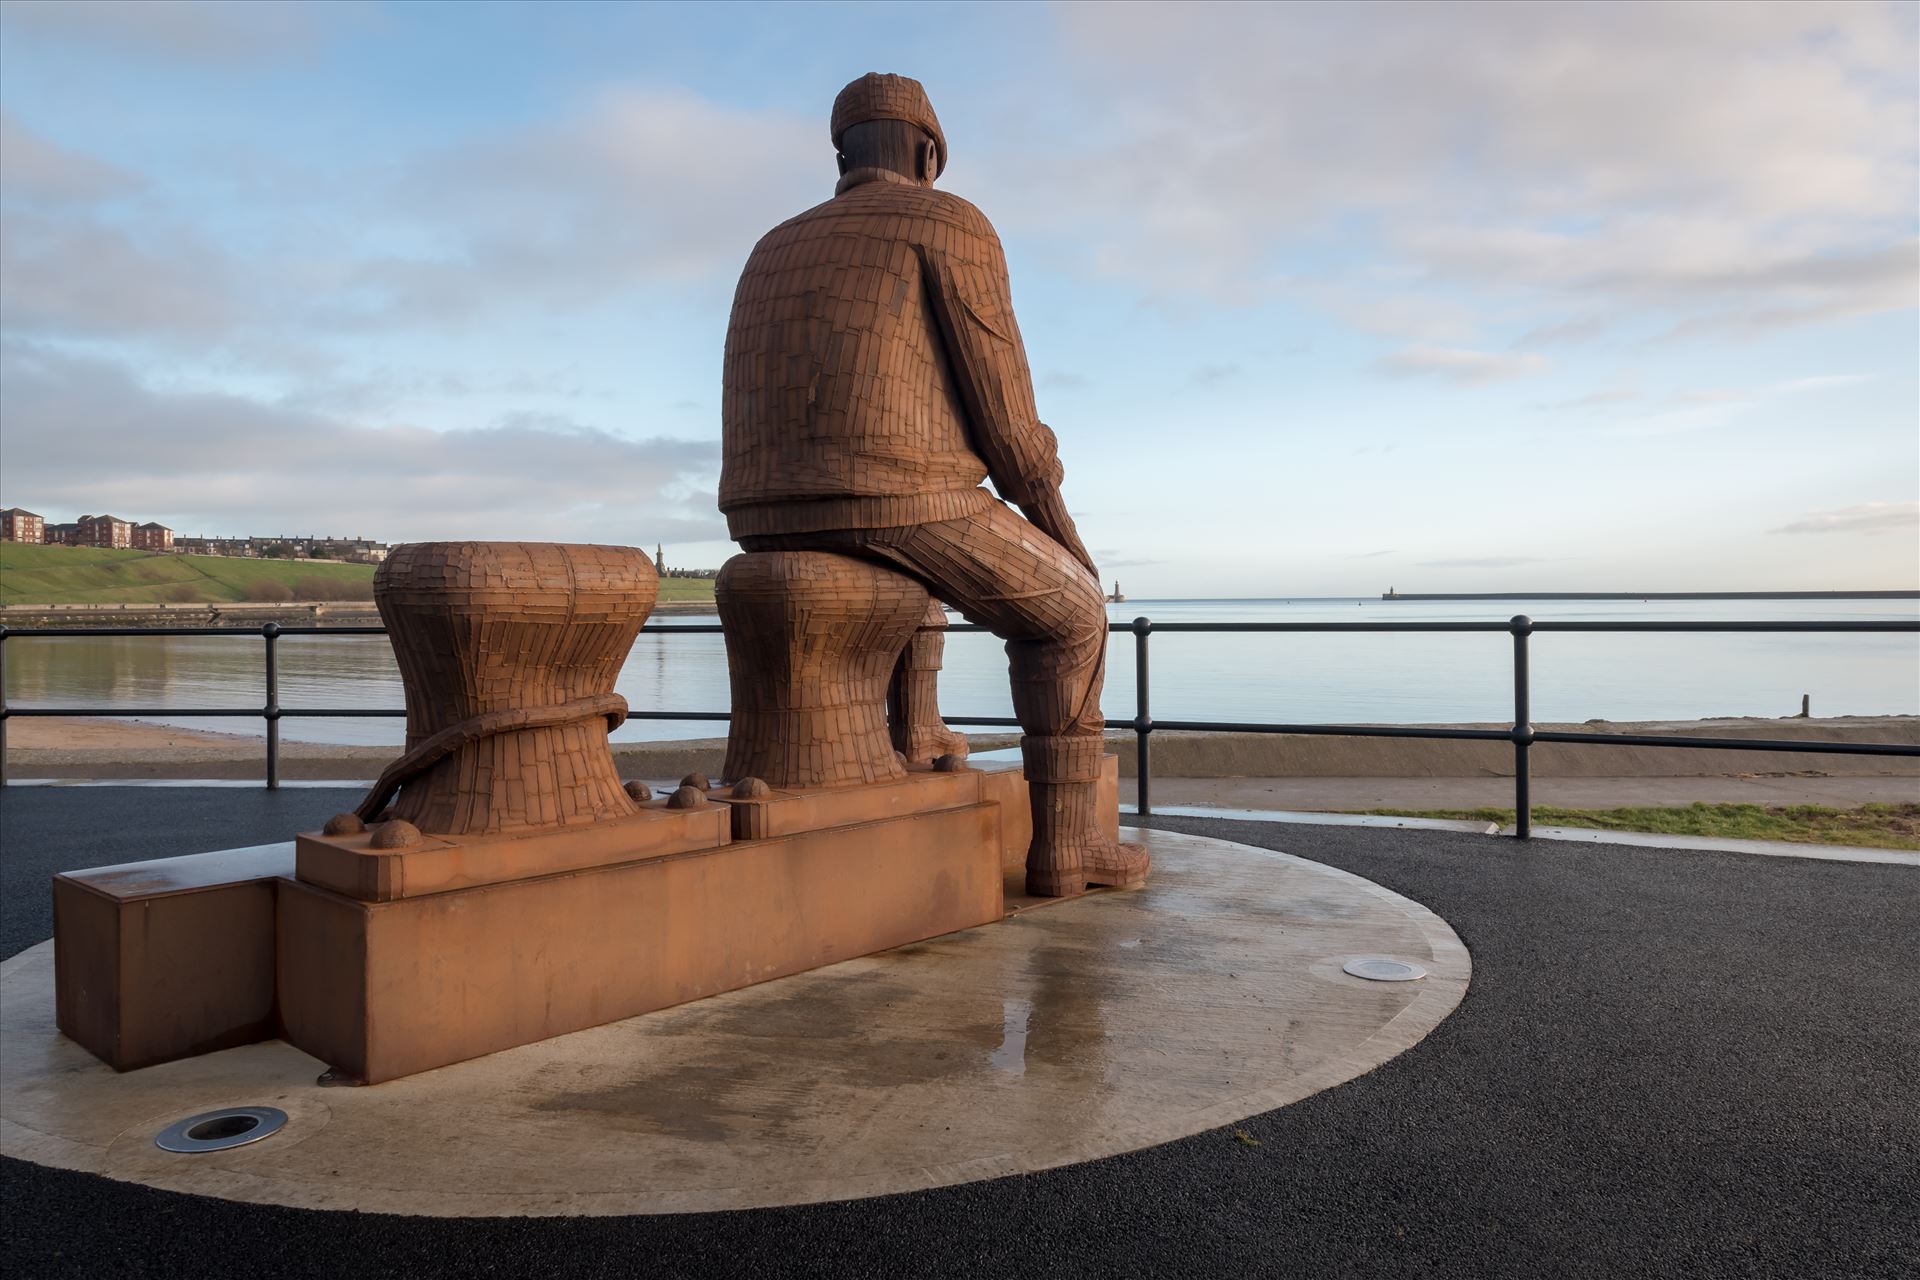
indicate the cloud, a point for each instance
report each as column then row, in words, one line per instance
column 1703, row 409
column 1119, row 560
column 1564, row 332
column 210, row 32
column 620, row 197
column 70, row 268
column 1483, row 562
column 1598, row 399
column 72, row 275
column 627, row 193
column 1460, row 364
column 1416, row 316
column 384, row 388
column 38, row 170
column 1821, row 382
column 1061, row 380
column 1703, row 415
column 1211, row 375
column 1867, row 517
column 214, row 463
column 1561, row 170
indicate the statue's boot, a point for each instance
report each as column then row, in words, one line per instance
column 1070, row 849
column 925, row 743
column 913, row 699
column 928, row 743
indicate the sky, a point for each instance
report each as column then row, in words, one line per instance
column 1320, row 300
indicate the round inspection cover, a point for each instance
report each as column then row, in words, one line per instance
column 1381, row 969
column 221, row 1130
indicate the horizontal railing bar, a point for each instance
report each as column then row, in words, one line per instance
column 1332, row 730
column 1837, row 628
column 249, row 632
column 1222, row 627
column 679, row 715
column 331, row 712
column 1113, row 628
column 114, row 712
column 1816, row 746
column 1281, row 627
column 300, row 631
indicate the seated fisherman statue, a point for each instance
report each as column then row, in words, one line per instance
column 874, row 380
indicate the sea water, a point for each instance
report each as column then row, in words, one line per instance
column 1344, row 677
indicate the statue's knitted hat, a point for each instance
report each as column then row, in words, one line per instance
column 886, row 97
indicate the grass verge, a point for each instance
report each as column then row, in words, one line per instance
column 1878, row 826
column 95, row 575
column 32, row 575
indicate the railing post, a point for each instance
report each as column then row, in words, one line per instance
column 1142, row 721
column 271, row 631
column 1522, row 627
column 3, row 704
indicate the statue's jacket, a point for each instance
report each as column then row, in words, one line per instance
column 874, row 374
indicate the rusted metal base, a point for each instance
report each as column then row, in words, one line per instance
column 383, row 963
column 165, row 959
column 386, row 989
column 351, row 866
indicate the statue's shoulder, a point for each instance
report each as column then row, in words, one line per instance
column 941, row 218
column 797, row 224
column 921, row 215
column 962, row 213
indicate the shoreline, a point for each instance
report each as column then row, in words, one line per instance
column 239, row 615
column 1229, row 768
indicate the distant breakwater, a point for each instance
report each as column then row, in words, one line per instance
column 1651, row 595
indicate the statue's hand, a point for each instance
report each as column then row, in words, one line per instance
column 1047, row 511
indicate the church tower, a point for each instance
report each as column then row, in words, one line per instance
column 659, row 560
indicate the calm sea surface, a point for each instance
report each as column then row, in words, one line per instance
column 1401, row 679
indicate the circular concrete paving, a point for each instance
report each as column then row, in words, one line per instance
column 1078, row 1030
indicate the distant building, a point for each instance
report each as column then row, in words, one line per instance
column 152, row 536
column 240, row 547
column 62, row 535
column 352, row 550
column 105, row 531
column 663, row 570
column 21, row 526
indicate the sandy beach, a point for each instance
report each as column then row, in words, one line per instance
column 1211, row 770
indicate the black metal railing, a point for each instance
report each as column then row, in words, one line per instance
column 1521, row 734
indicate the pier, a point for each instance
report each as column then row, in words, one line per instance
column 1391, row 594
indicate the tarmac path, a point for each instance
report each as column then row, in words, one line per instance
column 1668, row 1064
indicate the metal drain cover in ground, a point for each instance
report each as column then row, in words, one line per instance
column 1379, row 969
column 220, row 1130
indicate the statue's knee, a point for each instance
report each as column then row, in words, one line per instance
column 1087, row 614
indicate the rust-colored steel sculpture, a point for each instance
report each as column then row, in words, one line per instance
column 874, row 379
column 812, row 641
column 508, row 651
column 501, row 883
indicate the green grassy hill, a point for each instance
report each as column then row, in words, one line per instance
column 686, row 589
column 91, row 575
